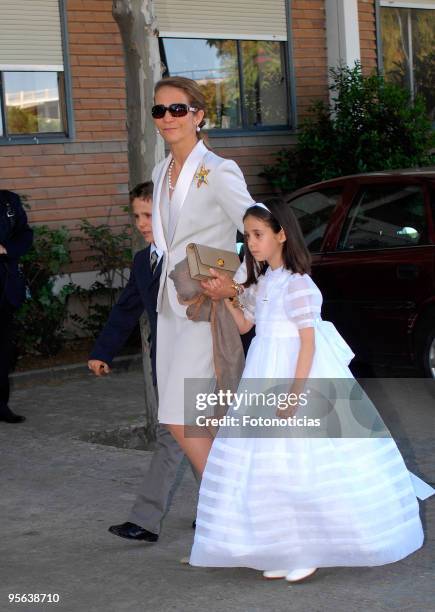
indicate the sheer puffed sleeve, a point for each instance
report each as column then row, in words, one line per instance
column 303, row 300
column 247, row 301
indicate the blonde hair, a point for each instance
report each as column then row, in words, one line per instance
column 191, row 89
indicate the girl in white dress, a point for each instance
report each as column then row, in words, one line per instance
column 284, row 505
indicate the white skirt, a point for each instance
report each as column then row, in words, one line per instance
column 184, row 350
column 286, row 503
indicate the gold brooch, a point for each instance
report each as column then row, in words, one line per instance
column 201, row 176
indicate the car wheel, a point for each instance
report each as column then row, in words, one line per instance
column 426, row 351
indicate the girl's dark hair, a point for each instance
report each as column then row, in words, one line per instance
column 280, row 215
column 191, row 89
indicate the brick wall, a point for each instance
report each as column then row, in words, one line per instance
column 87, row 177
column 367, row 34
column 310, row 55
column 97, row 68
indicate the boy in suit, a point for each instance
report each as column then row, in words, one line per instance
column 141, row 294
column 16, row 238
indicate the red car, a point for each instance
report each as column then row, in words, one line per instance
column 372, row 237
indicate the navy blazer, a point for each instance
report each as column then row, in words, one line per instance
column 140, row 294
column 17, row 242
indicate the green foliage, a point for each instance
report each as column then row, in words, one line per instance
column 21, row 121
column 111, row 252
column 370, row 125
column 111, row 255
column 28, row 121
column 40, row 319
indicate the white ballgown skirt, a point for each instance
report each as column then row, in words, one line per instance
column 286, row 503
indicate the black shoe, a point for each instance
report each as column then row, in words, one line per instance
column 8, row 416
column 194, row 524
column 133, row 532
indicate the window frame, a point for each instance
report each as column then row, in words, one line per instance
column 406, row 4
column 289, row 74
column 46, row 138
column 379, row 4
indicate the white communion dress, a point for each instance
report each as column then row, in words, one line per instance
column 288, row 502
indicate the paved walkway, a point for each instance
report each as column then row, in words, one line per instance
column 59, row 494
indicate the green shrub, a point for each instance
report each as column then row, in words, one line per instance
column 111, row 255
column 370, row 125
column 40, row 320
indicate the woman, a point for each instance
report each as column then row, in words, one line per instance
column 198, row 197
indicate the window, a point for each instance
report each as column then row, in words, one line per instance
column 385, row 216
column 33, row 103
column 313, row 211
column 237, row 52
column 32, row 81
column 243, row 81
column 408, row 47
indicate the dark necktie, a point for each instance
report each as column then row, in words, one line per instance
column 153, row 261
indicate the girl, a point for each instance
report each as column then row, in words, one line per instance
column 288, row 506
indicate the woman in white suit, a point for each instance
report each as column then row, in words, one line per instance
column 198, row 197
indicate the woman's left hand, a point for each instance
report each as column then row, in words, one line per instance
column 218, row 287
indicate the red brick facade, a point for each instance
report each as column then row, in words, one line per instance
column 367, row 34
column 88, row 177
column 309, row 52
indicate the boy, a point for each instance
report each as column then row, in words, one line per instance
column 141, row 294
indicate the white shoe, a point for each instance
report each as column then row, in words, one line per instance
column 299, row 575
column 274, row 574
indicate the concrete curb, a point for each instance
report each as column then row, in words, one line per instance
column 20, row 380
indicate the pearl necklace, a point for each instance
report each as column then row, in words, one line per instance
column 171, row 165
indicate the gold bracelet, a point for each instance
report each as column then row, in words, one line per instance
column 238, row 288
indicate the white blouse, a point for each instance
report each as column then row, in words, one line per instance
column 302, row 299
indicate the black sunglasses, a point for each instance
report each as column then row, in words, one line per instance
column 176, row 110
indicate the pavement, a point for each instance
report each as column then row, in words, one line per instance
column 60, row 490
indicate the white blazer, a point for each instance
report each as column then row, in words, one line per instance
column 207, row 212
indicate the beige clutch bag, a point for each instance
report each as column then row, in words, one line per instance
column 200, row 258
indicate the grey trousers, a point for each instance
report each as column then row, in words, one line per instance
column 160, row 482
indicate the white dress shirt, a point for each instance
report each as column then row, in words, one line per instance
column 158, row 251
